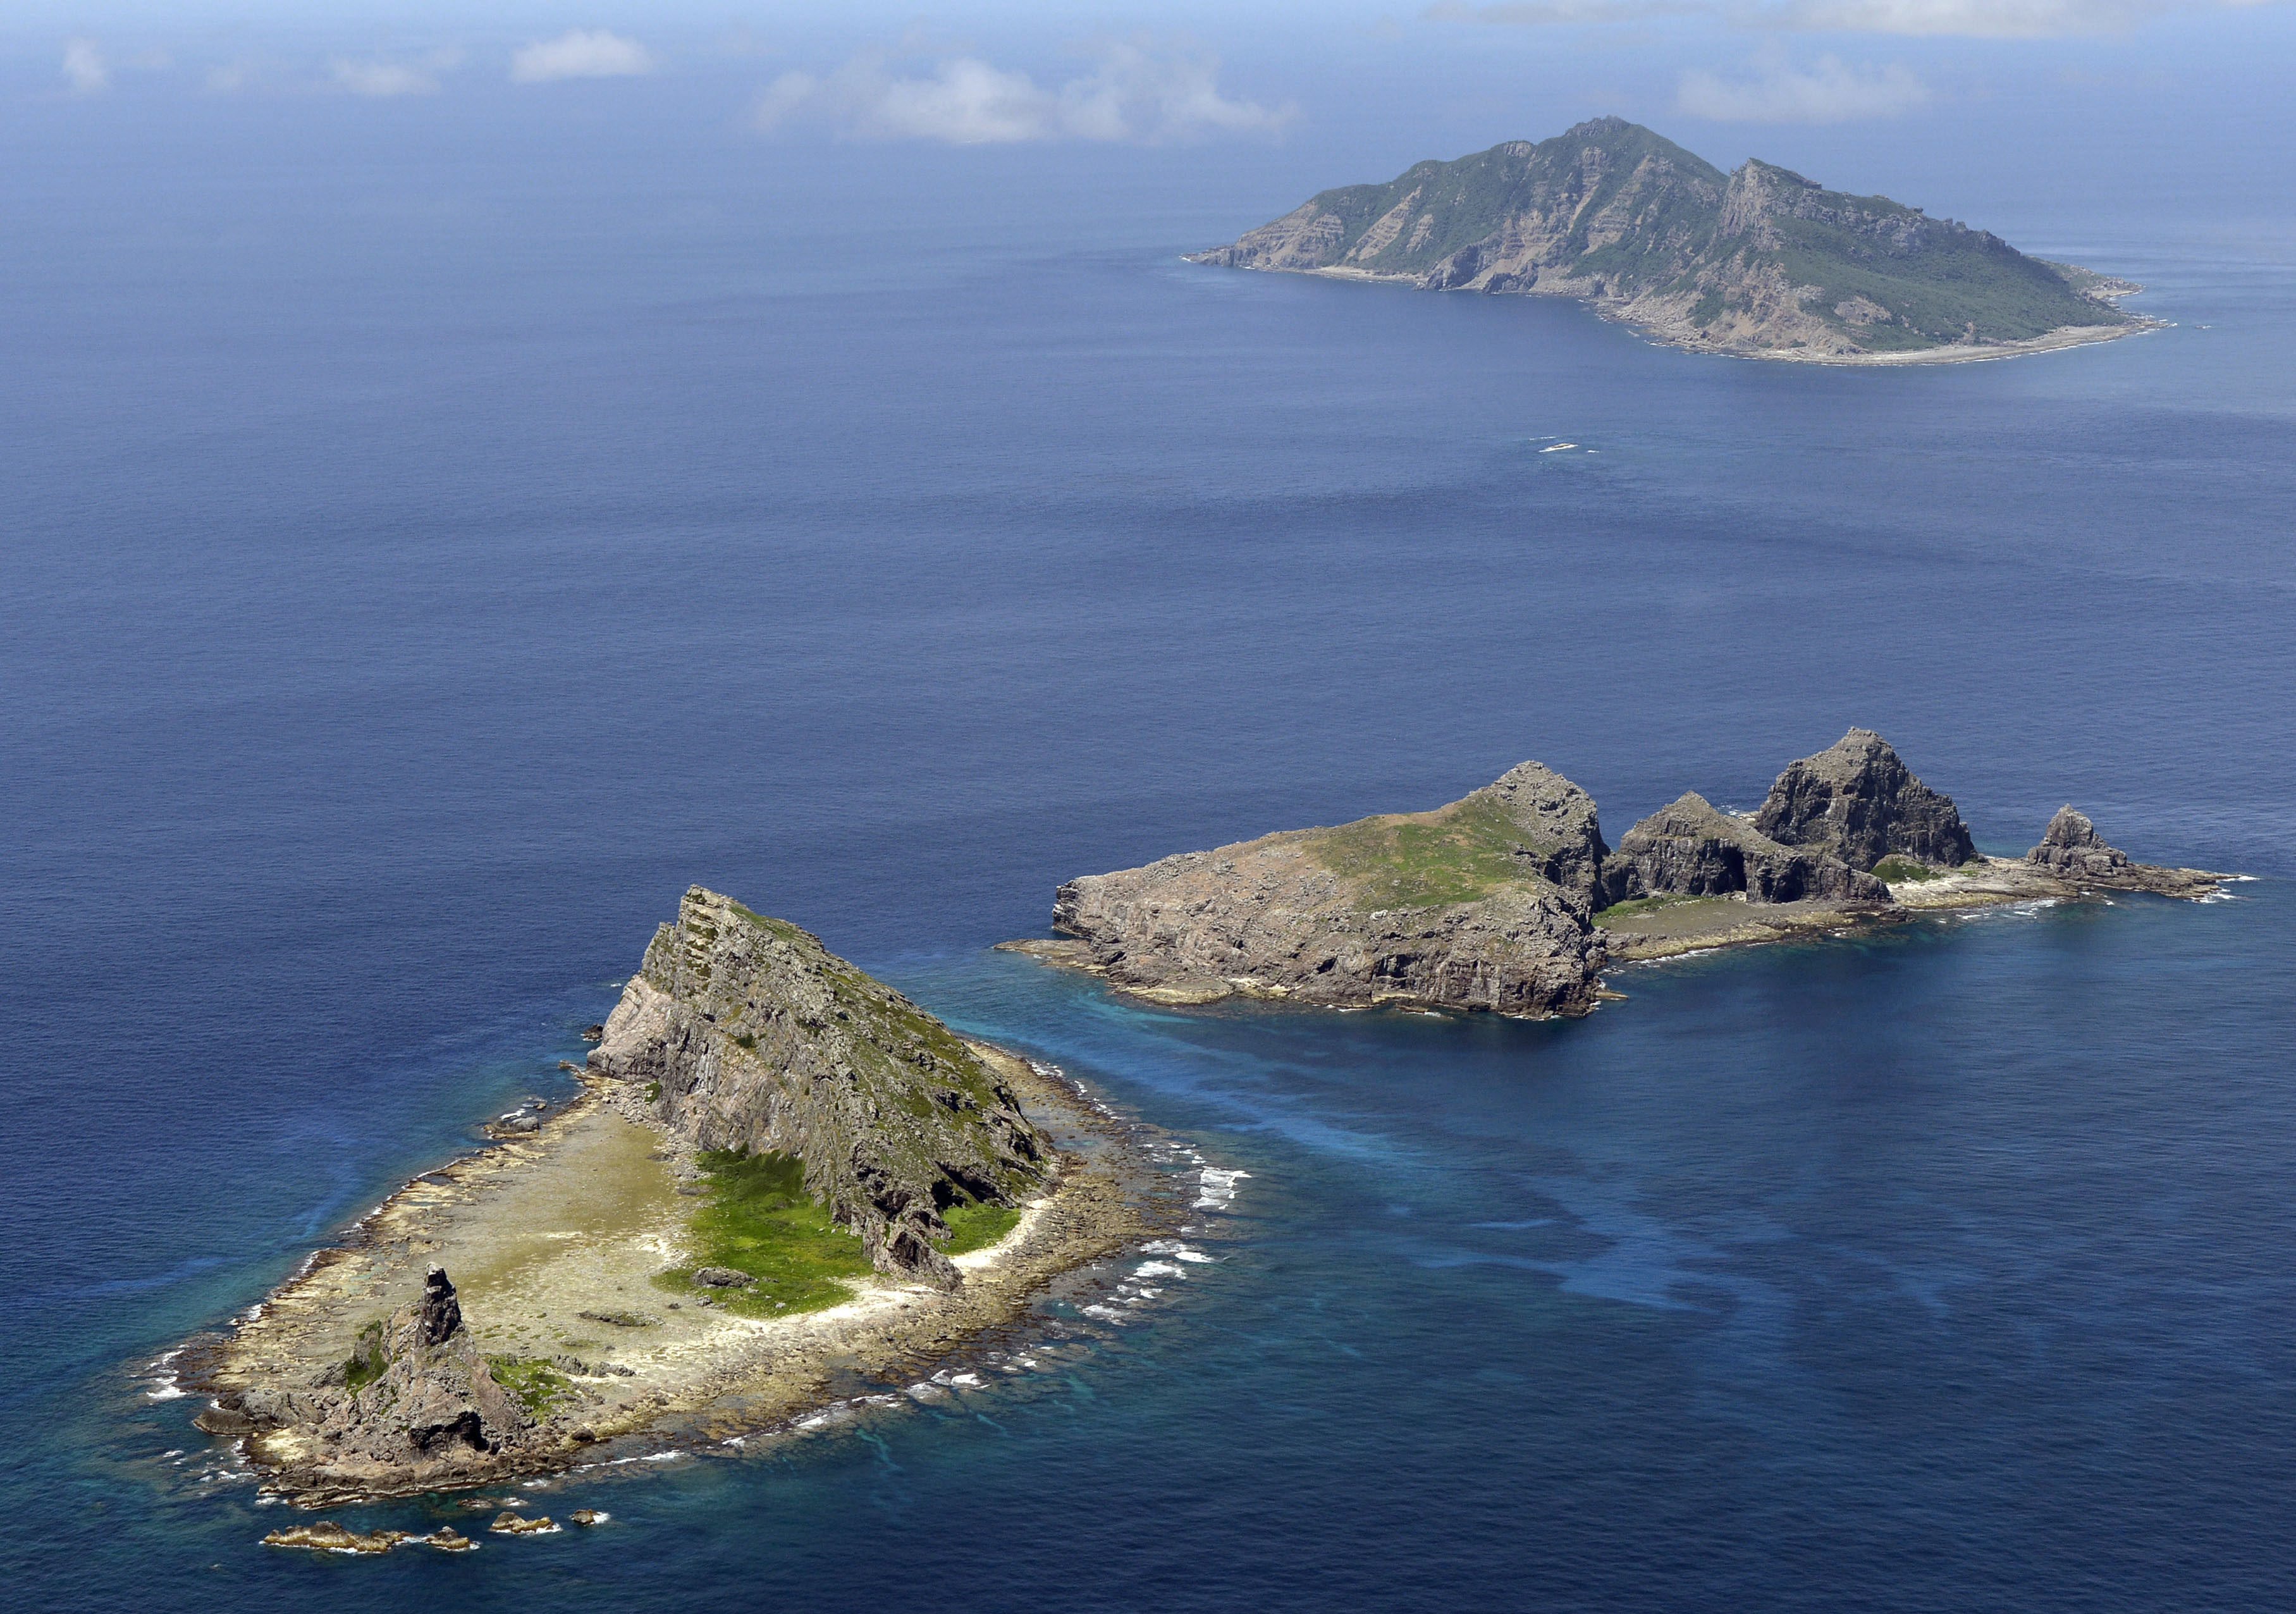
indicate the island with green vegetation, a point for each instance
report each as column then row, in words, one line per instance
column 780, row 1173
column 1509, row 900
column 1759, row 262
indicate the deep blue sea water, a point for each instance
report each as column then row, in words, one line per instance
column 418, row 572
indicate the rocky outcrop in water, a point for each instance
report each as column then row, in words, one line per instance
column 1485, row 904
column 1690, row 849
column 1857, row 801
column 1491, row 903
column 2073, row 851
column 747, row 1034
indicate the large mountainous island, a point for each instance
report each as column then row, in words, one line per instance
column 1759, row 262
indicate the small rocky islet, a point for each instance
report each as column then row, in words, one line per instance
column 325, row 1536
column 1509, row 899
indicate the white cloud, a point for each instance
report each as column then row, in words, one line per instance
column 1541, row 13
column 1832, row 91
column 964, row 101
column 1138, row 91
column 382, row 80
column 594, row 54
column 1971, row 19
column 84, row 69
column 785, row 98
column 1964, row 19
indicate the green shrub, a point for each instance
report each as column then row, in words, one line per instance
column 368, row 1359
column 535, row 1384
column 1634, row 905
column 977, row 1227
column 759, row 1219
column 1462, row 853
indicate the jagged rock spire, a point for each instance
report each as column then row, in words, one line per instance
column 438, row 1315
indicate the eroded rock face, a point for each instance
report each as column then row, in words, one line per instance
column 1690, row 849
column 438, row 1315
column 2071, row 846
column 761, row 1039
column 1558, row 821
column 2073, row 851
column 1484, row 903
column 1857, row 801
column 417, row 1401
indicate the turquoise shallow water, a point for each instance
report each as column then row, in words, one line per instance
column 407, row 600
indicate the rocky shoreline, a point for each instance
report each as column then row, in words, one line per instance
column 532, row 1306
column 1510, row 901
column 1668, row 329
column 2062, row 340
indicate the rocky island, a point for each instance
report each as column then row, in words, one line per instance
column 1483, row 903
column 1509, row 900
column 779, row 1169
column 1759, row 262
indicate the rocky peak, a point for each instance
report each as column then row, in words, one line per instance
column 416, row 1393
column 2070, row 829
column 437, row 1314
column 1559, row 820
column 2071, row 849
column 1859, row 802
column 753, row 1036
column 1598, row 128
column 1690, row 849
column 1759, row 191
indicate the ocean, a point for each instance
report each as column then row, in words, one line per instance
column 418, row 572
